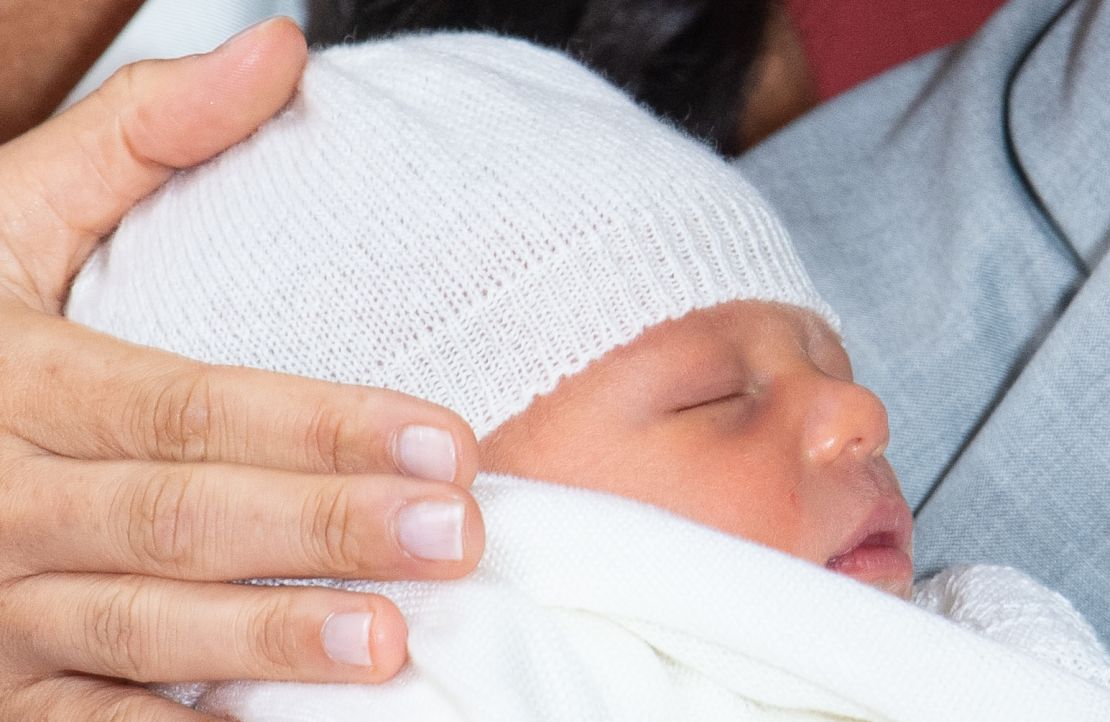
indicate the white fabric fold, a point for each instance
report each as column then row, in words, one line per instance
column 592, row 607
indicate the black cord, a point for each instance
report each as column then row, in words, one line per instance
column 1040, row 207
column 1015, row 159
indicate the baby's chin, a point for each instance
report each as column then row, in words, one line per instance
column 900, row 585
column 902, row 588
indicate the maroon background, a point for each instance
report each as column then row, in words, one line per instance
column 848, row 41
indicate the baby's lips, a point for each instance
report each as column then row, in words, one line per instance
column 879, row 551
column 877, row 563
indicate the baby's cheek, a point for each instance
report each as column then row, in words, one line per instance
column 734, row 487
column 565, row 449
column 775, row 517
column 738, row 499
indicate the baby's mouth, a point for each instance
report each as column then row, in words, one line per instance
column 878, row 553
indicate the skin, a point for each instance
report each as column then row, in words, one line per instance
column 781, row 86
column 48, row 46
column 743, row 417
column 134, row 482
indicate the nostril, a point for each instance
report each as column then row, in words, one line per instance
column 860, row 447
column 845, row 419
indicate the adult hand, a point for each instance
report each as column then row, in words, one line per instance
column 133, row 482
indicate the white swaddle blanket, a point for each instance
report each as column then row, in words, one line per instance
column 593, row 607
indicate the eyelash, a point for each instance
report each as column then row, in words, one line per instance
column 711, row 402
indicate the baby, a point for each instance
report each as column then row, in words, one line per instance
column 743, row 417
column 489, row 226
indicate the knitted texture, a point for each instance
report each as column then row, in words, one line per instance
column 1012, row 609
column 588, row 607
column 464, row 218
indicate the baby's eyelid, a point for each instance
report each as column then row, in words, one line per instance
column 711, row 399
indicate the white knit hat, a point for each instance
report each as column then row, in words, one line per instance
column 461, row 217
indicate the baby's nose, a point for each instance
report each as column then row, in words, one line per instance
column 844, row 420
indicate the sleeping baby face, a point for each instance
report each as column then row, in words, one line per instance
column 743, row 417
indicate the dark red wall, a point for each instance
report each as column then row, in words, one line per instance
column 848, row 41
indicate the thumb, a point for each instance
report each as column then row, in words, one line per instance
column 67, row 183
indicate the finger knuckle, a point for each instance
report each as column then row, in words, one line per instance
column 324, row 439
column 328, row 530
column 116, row 635
column 116, row 96
column 122, row 81
column 273, row 651
column 182, row 416
column 119, row 94
column 164, row 515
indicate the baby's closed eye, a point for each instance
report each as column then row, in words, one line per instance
column 714, row 399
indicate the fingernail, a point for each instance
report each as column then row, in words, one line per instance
column 244, row 32
column 347, row 638
column 432, row 530
column 425, row 452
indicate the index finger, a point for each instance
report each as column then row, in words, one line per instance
column 113, row 400
column 65, row 184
